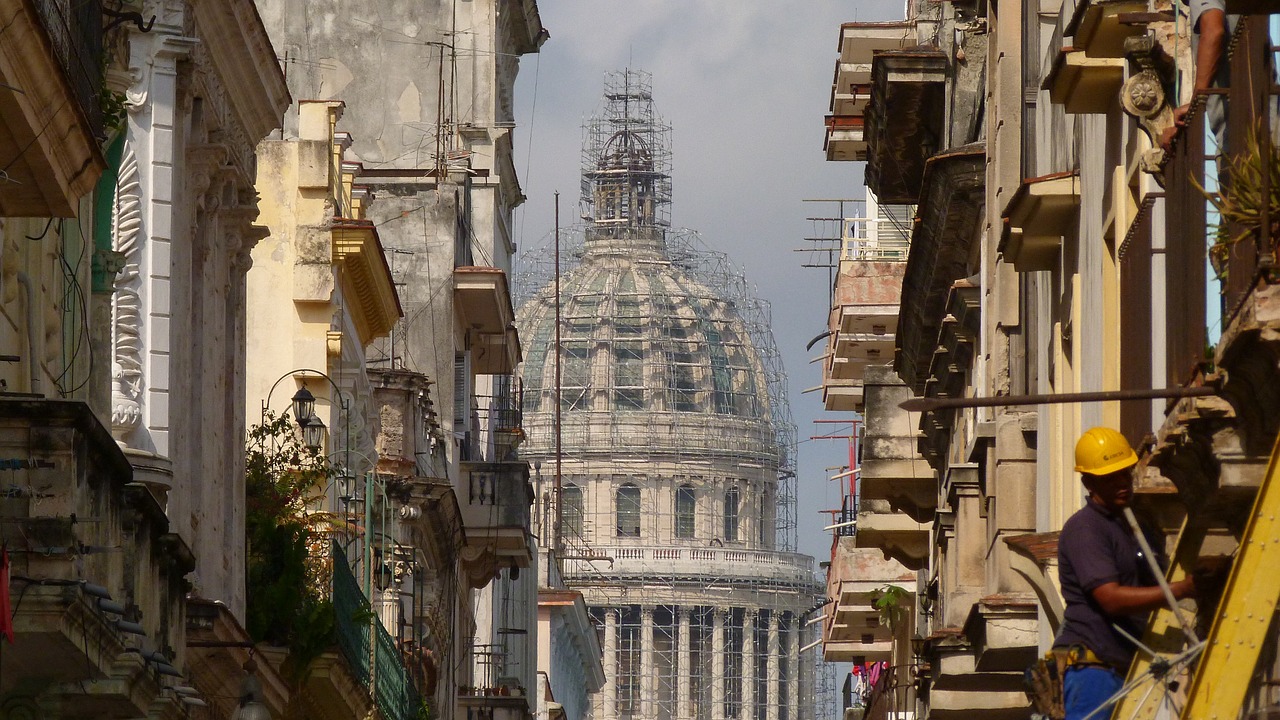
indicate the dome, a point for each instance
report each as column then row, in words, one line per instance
column 651, row 357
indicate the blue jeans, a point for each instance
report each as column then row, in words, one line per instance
column 1087, row 688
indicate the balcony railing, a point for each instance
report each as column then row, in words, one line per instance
column 893, row 695
column 75, row 32
column 377, row 665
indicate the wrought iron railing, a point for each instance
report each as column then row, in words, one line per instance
column 75, row 32
column 893, row 695
column 378, row 666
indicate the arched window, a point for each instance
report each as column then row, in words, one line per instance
column 571, row 516
column 628, row 501
column 686, row 501
column 731, row 515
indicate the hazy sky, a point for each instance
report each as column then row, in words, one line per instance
column 745, row 85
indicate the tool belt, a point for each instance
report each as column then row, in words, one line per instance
column 1044, row 679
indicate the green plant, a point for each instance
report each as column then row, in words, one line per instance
column 1239, row 202
column 891, row 602
column 287, row 536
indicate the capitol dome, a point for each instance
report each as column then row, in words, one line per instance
column 674, row 448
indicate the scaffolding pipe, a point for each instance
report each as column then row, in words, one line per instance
column 931, row 404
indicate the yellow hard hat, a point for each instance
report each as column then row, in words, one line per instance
column 1102, row 450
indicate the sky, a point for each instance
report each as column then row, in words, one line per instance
column 745, row 86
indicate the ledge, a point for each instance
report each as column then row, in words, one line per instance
column 1084, row 84
column 1040, row 212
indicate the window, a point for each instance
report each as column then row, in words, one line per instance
column 686, row 502
column 628, row 376
column 571, row 516
column 628, row 501
column 576, row 376
column 731, row 515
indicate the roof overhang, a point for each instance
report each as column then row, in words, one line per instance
column 1039, row 213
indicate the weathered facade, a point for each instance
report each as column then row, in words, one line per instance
column 428, row 96
column 128, row 211
column 1059, row 248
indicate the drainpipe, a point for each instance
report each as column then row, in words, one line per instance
column 34, row 363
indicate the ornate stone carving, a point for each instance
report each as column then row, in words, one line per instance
column 1143, row 96
column 126, row 311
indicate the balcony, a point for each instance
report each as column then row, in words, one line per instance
column 904, row 121
column 483, row 303
column 496, row 516
column 1100, row 27
column 892, row 468
column 854, row 631
column 1084, row 84
column 51, row 122
column 80, row 607
column 898, row 536
column 845, row 140
column 1039, row 214
column 862, row 322
column 370, row 654
column 942, row 246
column 371, row 295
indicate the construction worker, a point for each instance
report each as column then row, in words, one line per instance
column 1106, row 582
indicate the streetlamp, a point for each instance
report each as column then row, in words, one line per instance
column 251, row 707
column 303, row 405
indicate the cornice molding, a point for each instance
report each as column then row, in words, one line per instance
column 375, row 306
column 244, row 59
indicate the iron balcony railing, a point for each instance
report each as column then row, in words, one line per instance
column 378, row 666
column 74, row 28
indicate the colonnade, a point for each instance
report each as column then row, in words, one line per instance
column 698, row 662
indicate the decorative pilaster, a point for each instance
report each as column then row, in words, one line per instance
column 684, row 704
column 717, row 664
column 771, row 668
column 748, row 664
column 610, row 689
column 793, row 670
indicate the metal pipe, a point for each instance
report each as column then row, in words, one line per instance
column 931, row 404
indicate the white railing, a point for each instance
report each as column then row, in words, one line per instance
column 694, row 561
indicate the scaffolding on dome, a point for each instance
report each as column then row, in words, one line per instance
column 678, row 500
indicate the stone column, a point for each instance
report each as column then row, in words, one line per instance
column 717, row 664
column 648, row 702
column 793, row 674
column 610, row 689
column 771, row 668
column 748, row 664
column 684, row 706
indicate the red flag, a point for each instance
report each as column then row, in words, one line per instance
column 6, row 612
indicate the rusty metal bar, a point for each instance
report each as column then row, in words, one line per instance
column 930, row 404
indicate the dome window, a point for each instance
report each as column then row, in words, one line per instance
column 686, row 504
column 571, row 496
column 731, row 498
